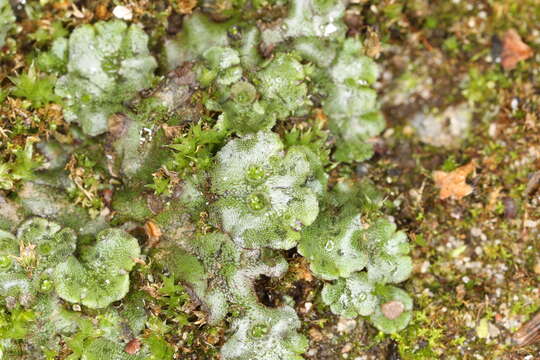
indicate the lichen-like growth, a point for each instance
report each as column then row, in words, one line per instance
column 344, row 241
column 352, row 104
column 332, row 246
column 351, row 297
column 388, row 307
column 107, row 64
column 263, row 196
column 102, row 275
column 6, row 20
column 263, row 333
column 388, row 251
column 223, row 165
column 27, row 261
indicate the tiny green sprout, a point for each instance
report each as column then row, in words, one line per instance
column 259, row 330
column 5, row 262
column 256, row 202
column 46, row 285
column 255, row 174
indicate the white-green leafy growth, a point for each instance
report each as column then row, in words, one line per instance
column 351, row 104
column 317, row 18
column 250, row 100
column 198, row 34
column 351, row 297
column 107, row 64
column 399, row 298
column 282, row 84
column 265, row 333
column 206, row 265
column 218, row 272
column 7, row 20
column 262, row 195
column 388, row 251
column 28, row 260
column 332, row 245
column 101, row 276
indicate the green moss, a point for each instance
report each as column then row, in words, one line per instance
column 38, row 89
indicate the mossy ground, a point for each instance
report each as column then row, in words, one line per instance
column 476, row 259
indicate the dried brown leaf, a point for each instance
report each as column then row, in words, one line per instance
column 452, row 184
column 514, row 50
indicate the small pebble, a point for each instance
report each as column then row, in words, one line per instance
column 123, row 13
column 392, row 309
column 346, row 325
column 510, row 208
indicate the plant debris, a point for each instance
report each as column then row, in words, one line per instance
column 452, row 184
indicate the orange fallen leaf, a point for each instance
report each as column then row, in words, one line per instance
column 514, row 50
column 153, row 232
column 452, row 184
